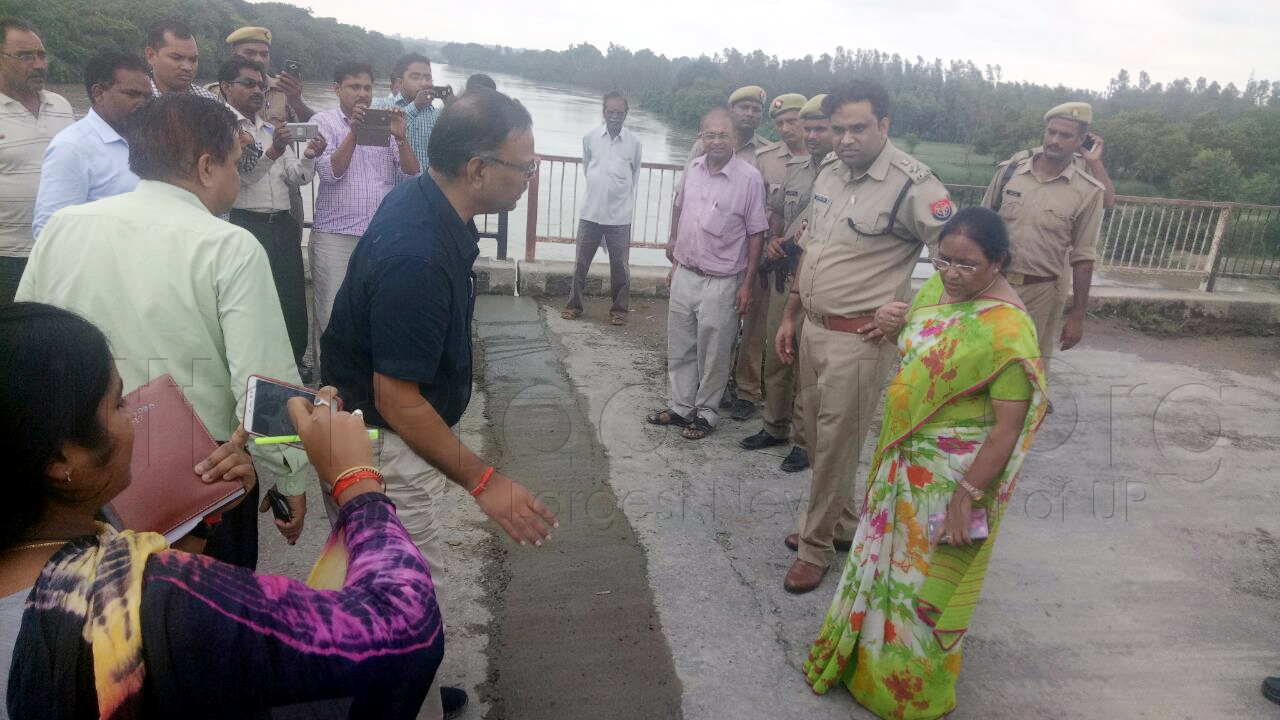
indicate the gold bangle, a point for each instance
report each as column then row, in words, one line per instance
column 356, row 469
column 974, row 492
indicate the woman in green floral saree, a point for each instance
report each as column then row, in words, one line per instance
column 959, row 418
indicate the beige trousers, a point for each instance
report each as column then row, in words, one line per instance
column 1045, row 302
column 701, row 327
column 781, row 412
column 328, row 254
column 417, row 490
column 841, row 376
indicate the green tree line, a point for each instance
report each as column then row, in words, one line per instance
column 74, row 30
column 1196, row 139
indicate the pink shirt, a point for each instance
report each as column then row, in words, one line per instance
column 717, row 214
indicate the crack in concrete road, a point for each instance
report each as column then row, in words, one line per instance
column 577, row 631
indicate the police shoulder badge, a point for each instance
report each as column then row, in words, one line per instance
column 941, row 209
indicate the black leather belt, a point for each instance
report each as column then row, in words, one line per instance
column 271, row 217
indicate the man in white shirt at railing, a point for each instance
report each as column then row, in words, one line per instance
column 611, row 162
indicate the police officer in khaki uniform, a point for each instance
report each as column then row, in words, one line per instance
column 771, row 161
column 1054, row 210
column 874, row 209
column 781, row 413
column 283, row 99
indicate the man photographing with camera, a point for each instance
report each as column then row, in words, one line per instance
column 415, row 94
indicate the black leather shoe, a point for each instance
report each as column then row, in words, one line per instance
column 796, row 460
column 760, row 440
column 452, row 701
column 729, row 397
column 1271, row 689
column 741, row 409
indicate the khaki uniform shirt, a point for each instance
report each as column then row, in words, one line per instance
column 21, row 157
column 849, row 267
column 1052, row 223
column 792, row 203
column 771, row 161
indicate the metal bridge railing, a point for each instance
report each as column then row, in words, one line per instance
column 1140, row 234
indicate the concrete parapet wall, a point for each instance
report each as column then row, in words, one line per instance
column 1151, row 309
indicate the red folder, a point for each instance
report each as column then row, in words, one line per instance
column 165, row 494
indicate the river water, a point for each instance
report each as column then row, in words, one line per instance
column 561, row 115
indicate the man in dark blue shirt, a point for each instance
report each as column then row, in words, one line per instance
column 398, row 345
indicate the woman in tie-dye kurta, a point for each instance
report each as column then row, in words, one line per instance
column 962, row 410
column 119, row 626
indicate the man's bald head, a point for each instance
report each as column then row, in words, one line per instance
column 476, row 124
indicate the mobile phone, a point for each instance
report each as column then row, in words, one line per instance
column 1088, row 141
column 303, row 131
column 279, row 507
column 376, row 128
column 442, row 91
column 266, row 406
column 294, row 68
column 978, row 529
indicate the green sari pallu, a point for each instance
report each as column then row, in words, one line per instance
column 893, row 632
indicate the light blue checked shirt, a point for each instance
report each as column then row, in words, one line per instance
column 421, row 123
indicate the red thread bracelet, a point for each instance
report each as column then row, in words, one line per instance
column 484, row 481
column 349, row 479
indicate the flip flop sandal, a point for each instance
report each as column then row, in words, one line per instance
column 697, row 429
column 570, row 314
column 617, row 320
column 666, row 417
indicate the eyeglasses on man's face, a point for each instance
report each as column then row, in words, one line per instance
column 709, row 137
column 28, row 56
column 527, row 170
column 941, row 265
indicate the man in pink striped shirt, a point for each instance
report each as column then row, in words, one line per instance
column 353, row 181
column 717, row 231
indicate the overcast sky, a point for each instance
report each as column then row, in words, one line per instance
column 1078, row 43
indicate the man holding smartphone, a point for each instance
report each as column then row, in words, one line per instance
column 415, row 94
column 1053, row 208
column 282, row 102
column 262, row 207
column 353, row 181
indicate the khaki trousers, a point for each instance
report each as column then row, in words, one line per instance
column 746, row 374
column 417, row 489
column 781, row 412
column 1045, row 302
column 841, row 376
column 701, row 327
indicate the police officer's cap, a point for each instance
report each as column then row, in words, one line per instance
column 1078, row 111
column 750, row 93
column 812, row 110
column 786, row 103
column 249, row 34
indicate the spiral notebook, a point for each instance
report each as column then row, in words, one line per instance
column 165, row 494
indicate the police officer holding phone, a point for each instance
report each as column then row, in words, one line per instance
column 1053, row 208
column 282, row 101
column 415, row 94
